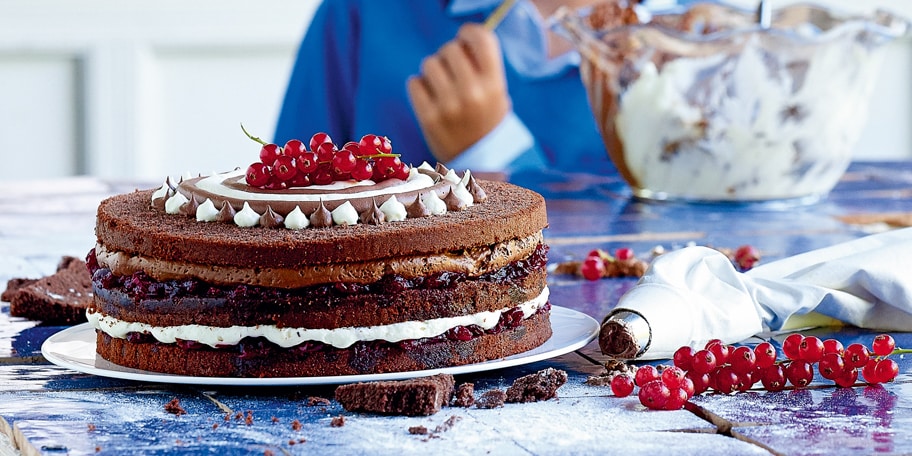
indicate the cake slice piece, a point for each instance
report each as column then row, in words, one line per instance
column 58, row 299
column 413, row 397
column 539, row 386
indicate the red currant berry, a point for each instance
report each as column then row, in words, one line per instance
column 322, row 176
column 325, row 152
column 673, row 377
column 799, row 373
column 622, row 385
column 623, row 254
column 343, row 161
column 742, row 360
column 371, row 145
column 886, row 370
column 283, row 168
column 700, row 382
column 362, row 170
column 883, row 345
column 654, row 395
column 726, row 380
column 317, row 139
column 269, row 152
column 258, row 175
column 677, row 397
column 746, row 257
column 721, row 351
column 704, row 362
column 300, row 180
column 387, row 166
column 810, row 349
column 293, row 148
column 869, row 371
column 856, row 355
column 773, row 377
column 592, row 268
column 832, row 366
column 683, row 357
column 402, row 172
column 790, row 346
column 833, row 346
column 765, row 354
column 847, row 379
column 306, row 162
column 646, row 374
column 687, row 385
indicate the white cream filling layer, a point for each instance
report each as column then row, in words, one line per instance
column 290, row 337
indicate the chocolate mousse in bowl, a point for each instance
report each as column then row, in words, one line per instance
column 704, row 104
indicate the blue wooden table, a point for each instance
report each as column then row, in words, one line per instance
column 51, row 410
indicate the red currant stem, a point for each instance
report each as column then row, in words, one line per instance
column 379, row 156
column 251, row 136
column 900, row 351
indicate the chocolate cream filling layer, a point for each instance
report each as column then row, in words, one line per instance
column 472, row 262
column 289, row 337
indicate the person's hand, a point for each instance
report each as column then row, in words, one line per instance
column 461, row 93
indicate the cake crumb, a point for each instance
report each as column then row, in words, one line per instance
column 91, row 427
column 448, row 424
column 491, row 399
column 98, row 449
column 314, row 401
column 539, row 386
column 465, row 395
column 214, row 426
column 296, row 425
column 175, row 408
column 337, row 421
column 268, row 453
column 418, row 430
column 249, row 418
column 275, row 419
column 613, row 367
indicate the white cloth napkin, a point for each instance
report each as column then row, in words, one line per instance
column 695, row 294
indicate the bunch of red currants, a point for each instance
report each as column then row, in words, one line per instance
column 728, row 369
column 296, row 165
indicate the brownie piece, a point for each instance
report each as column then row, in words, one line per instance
column 539, row 386
column 60, row 298
column 413, row 397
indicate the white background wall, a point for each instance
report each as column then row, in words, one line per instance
column 123, row 88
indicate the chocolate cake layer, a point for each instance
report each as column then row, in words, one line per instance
column 362, row 358
column 324, row 307
column 127, row 223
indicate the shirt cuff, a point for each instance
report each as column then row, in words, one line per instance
column 498, row 149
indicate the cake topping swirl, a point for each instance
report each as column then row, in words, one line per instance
column 349, row 197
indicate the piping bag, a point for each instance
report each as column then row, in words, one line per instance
column 695, row 294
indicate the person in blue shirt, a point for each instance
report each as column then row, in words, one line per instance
column 442, row 87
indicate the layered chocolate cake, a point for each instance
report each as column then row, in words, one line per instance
column 217, row 277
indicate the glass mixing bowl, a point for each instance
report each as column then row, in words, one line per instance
column 704, row 104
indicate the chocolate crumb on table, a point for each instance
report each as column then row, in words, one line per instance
column 314, row 401
column 418, row 430
column 412, row 397
column 465, row 395
column 175, row 408
column 60, row 298
column 337, row 421
column 491, row 399
column 539, row 386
